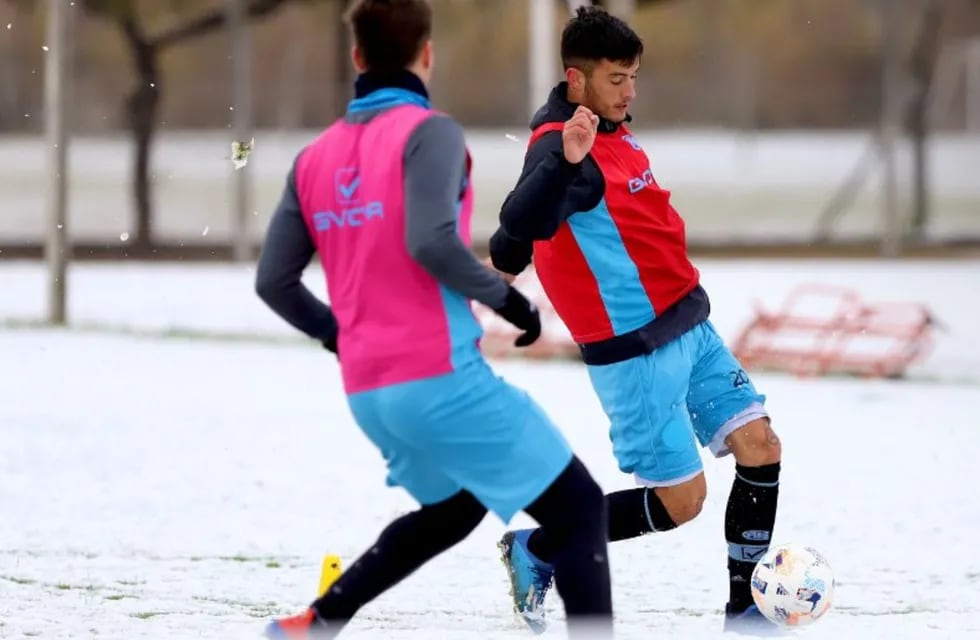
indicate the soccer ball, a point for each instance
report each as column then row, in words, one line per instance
column 793, row 585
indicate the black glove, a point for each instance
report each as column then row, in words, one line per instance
column 523, row 314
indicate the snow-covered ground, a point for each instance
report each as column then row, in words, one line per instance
column 159, row 482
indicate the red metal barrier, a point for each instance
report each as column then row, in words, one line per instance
column 826, row 329
column 820, row 330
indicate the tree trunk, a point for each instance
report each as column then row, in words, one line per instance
column 923, row 65
column 343, row 71
column 142, row 107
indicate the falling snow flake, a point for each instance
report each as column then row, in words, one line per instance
column 240, row 151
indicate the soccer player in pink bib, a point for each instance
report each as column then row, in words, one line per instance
column 384, row 197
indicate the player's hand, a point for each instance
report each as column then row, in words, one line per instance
column 523, row 314
column 506, row 277
column 579, row 134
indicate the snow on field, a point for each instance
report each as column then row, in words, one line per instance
column 170, row 485
column 219, row 297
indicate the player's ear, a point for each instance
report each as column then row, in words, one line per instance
column 357, row 58
column 575, row 78
column 428, row 56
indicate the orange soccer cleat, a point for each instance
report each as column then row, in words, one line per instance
column 305, row 626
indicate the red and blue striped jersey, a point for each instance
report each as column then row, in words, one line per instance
column 614, row 268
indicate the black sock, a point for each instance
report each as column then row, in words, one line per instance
column 632, row 513
column 749, row 521
column 636, row 512
column 572, row 512
column 404, row 546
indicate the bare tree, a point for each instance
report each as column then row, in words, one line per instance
column 143, row 104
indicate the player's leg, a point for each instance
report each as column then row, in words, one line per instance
column 653, row 438
column 645, row 399
column 446, row 516
column 507, row 452
column 405, row 545
column 751, row 512
column 730, row 417
column 572, row 512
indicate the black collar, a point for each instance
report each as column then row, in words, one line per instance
column 371, row 81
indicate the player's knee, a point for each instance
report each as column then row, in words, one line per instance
column 756, row 444
column 683, row 511
column 684, row 501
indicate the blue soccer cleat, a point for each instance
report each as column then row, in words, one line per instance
column 751, row 622
column 530, row 578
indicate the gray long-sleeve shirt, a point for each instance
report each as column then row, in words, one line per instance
column 435, row 174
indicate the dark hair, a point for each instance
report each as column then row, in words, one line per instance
column 390, row 33
column 594, row 35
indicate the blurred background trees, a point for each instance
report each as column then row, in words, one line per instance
column 893, row 72
column 734, row 63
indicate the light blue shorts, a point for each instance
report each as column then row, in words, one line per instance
column 688, row 393
column 468, row 429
